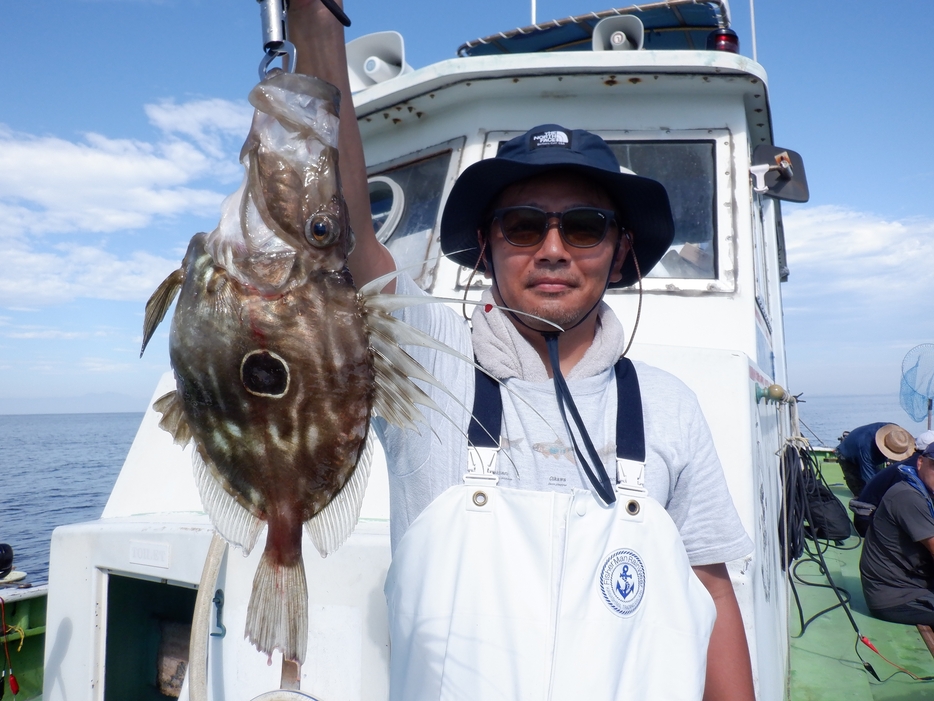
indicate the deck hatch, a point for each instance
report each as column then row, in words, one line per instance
column 148, row 625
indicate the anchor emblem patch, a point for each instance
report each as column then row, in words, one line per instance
column 622, row 581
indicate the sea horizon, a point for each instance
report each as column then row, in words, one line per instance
column 60, row 467
column 115, row 403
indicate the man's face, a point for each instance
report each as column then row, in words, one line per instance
column 926, row 471
column 553, row 279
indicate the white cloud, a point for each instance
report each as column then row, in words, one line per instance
column 47, row 334
column 54, row 191
column 858, row 257
column 857, row 298
column 52, row 185
column 106, row 366
column 28, row 332
column 207, row 122
column 33, row 278
column 834, row 249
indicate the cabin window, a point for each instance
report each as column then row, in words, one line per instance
column 686, row 169
column 405, row 203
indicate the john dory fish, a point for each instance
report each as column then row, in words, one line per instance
column 279, row 361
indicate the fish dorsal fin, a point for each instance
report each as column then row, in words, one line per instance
column 330, row 527
column 173, row 418
column 159, row 303
column 235, row 522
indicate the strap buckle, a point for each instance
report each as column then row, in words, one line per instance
column 630, row 478
column 481, row 468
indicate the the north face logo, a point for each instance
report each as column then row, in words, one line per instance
column 550, row 138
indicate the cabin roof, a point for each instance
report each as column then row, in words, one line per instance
column 673, row 25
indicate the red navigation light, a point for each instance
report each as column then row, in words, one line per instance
column 724, row 39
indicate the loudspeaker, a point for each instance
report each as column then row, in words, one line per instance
column 622, row 33
column 375, row 58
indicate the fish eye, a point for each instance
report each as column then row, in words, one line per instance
column 321, row 230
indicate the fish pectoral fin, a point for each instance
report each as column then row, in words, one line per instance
column 330, row 527
column 173, row 419
column 159, row 303
column 238, row 525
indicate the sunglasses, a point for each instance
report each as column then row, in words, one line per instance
column 580, row 227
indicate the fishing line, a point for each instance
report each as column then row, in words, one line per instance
column 635, row 326
column 811, row 430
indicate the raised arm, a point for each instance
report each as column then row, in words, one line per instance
column 319, row 42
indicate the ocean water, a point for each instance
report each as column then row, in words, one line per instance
column 58, row 469
column 825, row 418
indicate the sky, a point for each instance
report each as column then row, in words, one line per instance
column 121, row 121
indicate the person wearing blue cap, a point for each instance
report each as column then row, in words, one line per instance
column 527, row 561
column 896, row 566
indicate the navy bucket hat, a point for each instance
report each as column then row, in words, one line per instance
column 641, row 203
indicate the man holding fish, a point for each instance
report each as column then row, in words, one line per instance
column 533, row 571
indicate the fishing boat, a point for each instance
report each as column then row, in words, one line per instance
column 146, row 603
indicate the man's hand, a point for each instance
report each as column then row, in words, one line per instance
column 729, row 671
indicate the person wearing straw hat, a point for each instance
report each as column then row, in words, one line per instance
column 866, row 449
column 541, row 567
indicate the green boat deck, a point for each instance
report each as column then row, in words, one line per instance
column 25, row 643
column 824, row 663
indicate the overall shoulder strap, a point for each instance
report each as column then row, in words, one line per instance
column 630, row 427
column 487, row 417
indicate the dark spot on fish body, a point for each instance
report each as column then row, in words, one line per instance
column 265, row 374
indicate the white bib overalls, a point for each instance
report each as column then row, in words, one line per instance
column 510, row 594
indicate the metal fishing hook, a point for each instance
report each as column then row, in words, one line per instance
column 275, row 36
column 274, row 16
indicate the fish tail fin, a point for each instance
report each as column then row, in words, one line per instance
column 159, row 304
column 277, row 617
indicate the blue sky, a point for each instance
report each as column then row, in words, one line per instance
column 121, row 121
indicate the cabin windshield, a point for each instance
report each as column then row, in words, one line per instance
column 406, row 199
column 686, row 169
column 405, row 204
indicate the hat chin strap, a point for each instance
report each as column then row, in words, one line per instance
column 595, row 470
